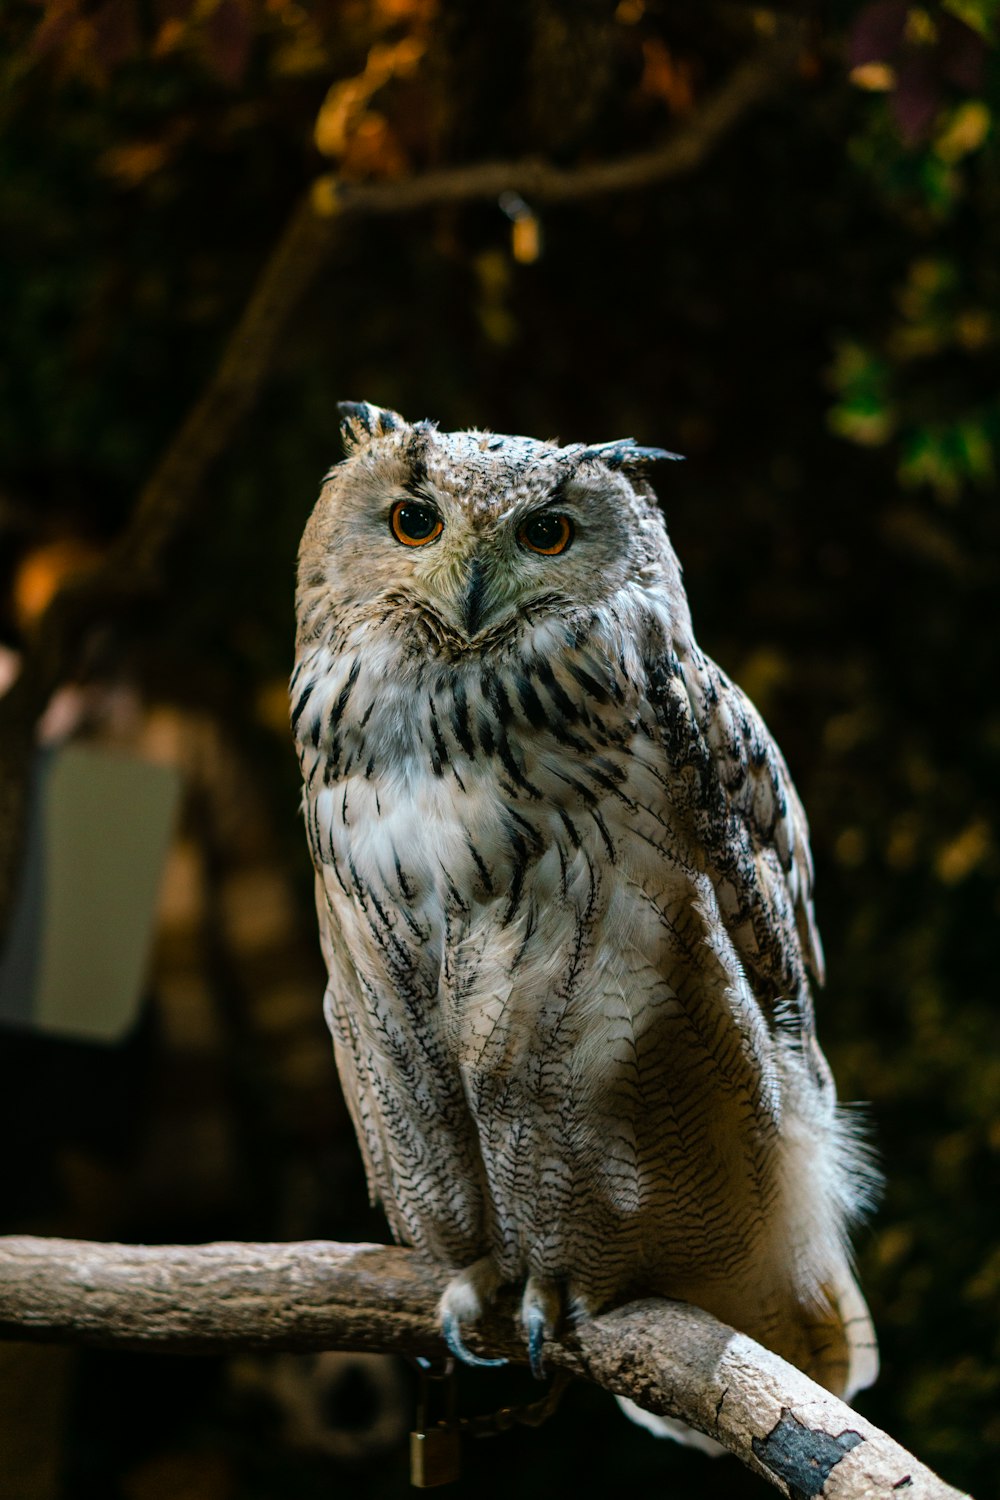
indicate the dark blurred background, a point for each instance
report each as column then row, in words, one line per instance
column 811, row 314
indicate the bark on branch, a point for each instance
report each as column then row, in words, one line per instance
column 669, row 1357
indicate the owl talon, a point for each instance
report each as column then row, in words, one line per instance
column 450, row 1331
column 541, row 1310
column 465, row 1299
column 535, row 1328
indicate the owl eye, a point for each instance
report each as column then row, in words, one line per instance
column 415, row 524
column 546, row 533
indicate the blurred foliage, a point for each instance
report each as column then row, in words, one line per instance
column 926, row 381
column 813, row 317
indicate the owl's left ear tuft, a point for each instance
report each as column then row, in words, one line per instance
column 361, row 423
column 625, row 453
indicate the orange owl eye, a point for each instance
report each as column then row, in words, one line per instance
column 546, row 533
column 415, row 524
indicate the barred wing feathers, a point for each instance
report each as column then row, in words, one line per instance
column 753, row 835
column 750, row 825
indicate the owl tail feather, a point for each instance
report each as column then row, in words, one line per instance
column 856, row 1329
column 844, row 1359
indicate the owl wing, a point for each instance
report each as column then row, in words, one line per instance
column 751, row 830
column 421, row 1153
column 341, row 1004
column 749, row 824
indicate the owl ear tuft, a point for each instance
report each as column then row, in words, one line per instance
column 361, row 423
column 625, row 453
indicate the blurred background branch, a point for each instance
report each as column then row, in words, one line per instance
column 132, row 570
column 133, row 566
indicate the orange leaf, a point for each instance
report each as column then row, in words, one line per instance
column 666, row 77
column 374, row 150
column 133, row 163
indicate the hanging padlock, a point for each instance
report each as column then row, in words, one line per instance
column 435, row 1445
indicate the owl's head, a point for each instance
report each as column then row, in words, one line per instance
column 473, row 533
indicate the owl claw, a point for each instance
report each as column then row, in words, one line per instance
column 451, row 1333
column 465, row 1299
column 534, row 1321
column 541, row 1310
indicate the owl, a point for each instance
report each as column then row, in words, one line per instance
column 564, row 891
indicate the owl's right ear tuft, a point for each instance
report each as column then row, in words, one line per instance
column 625, row 453
column 361, row 423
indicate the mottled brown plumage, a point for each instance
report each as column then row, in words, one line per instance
column 564, row 892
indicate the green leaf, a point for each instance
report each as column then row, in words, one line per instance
column 981, row 15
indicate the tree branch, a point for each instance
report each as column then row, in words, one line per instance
column 169, row 498
column 750, row 82
column 133, row 568
column 670, row 1358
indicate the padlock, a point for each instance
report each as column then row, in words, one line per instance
column 435, row 1446
column 435, row 1457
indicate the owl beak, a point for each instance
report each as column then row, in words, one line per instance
column 474, row 600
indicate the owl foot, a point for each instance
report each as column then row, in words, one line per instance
column 464, row 1301
column 541, row 1307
